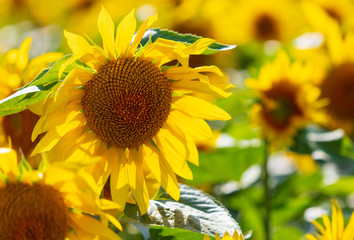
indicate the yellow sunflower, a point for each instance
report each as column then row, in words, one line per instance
column 131, row 113
column 227, row 236
column 261, row 20
column 335, row 73
column 340, row 11
column 51, row 203
column 16, row 71
column 336, row 229
column 287, row 99
column 337, row 84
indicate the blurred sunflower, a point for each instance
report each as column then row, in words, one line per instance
column 340, row 11
column 51, row 203
column 16, row 71
column 335, row 73
column 262, row 20
column 130, row 112
column 336, row 229
column 338, row 82
column 287, row 99
column 235, row 236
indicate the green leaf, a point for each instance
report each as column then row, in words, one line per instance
column 187, row 39
column 288, row 233
column 329, row 145
column 343, row 187
column 164, row 233
column 20, row 100
column 194, row 211
column 37, row 90
column 225, row 164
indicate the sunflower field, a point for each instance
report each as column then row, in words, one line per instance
column 176, row 119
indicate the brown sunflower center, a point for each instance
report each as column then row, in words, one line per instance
column 338, row 87
column 19, row 128
column 127, row 101
column 266, row 28
column 284, row 105
column 333, row 13
column 32, row 212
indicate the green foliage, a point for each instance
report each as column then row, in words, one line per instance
column 165, row 233
column 225, row 164
column 194, row 211
column 330, row 145
column 187, row 39
column 35, row 91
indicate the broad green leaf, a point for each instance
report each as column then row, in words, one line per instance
column 291, row 209
column 329, row 145
column 165, row 233
column 225, row 164
column 50, row 74
column 249, row 205
column 194, row 211
column 344, row 186
column 37, row 90
column 187, row 39
column 20, row 100
column 288, row 233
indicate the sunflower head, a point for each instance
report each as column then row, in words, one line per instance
column 261, row 21
column 53, row 202
column 132, row 115
column 16, row 71
column 287, row 99
column 335, row 229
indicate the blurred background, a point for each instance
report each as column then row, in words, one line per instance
column 293, row 101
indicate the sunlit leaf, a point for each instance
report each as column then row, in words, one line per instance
column 194, row 211
column 188, row 39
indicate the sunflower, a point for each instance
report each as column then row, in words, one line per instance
column 287, row 99
column 340, row 11
column 51, row 203
column 336, row 229
column 335, row 72
column 261, row 20
column 16, row 71
column 130, row 114
column 235, row 236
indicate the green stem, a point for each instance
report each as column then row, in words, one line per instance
column 267, row 193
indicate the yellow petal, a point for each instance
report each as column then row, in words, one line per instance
column 174, row 152
column 140, row 192
column 8, row 163
column 125, row 33
column 349, row 229
column 140, row 33
column 77, row 44
column 310, row 237
column 152, row 161
column 169, row 180
column 191, row 149
column 106, row 29
column 334, row 220
column 119, row 180
column 92, row 225
column 199, row 108
column 22, row 57
column 194, row 127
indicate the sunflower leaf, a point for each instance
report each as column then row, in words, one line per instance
column 36, row 90
column 194, row 211
column 187, row 39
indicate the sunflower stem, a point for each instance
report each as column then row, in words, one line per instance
column 267, row 192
